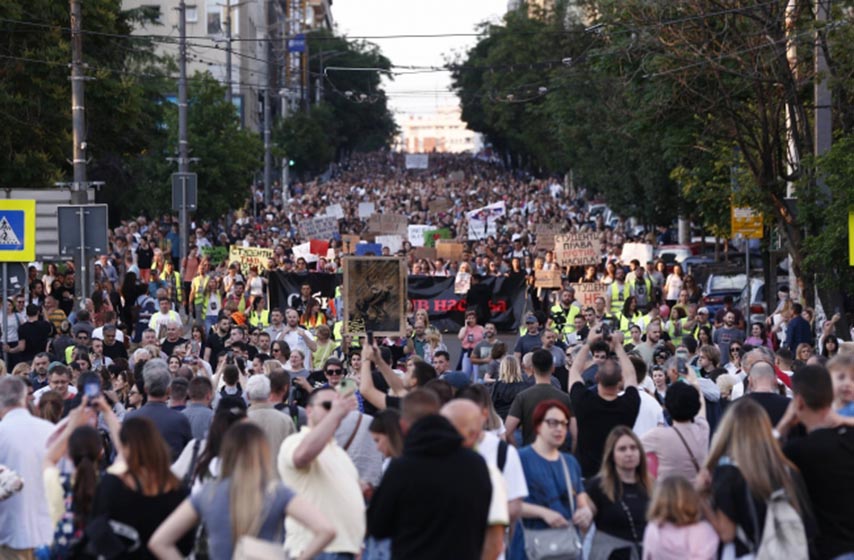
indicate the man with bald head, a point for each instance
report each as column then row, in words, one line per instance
column 467, row 418
column 765, row 390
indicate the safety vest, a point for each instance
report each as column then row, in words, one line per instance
column 564, row 318
column 618, row 298
column 179, row 287
column 627, row 322
column 200, row 283
column 259, row 319
column 647, row 284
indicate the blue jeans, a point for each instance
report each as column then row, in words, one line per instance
column 335, row 556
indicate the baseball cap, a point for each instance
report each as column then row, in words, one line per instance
column 704, row 310
column 530, row 318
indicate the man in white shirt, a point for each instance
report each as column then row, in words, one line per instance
column 298, row 338
column 24, row 517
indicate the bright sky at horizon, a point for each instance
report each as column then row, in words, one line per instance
column 417, row 93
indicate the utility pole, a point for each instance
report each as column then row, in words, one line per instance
column 268, row 120
column 228, row 51
column 183, row 144
column 78, row 113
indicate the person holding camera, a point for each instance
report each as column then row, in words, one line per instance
column 599, row 411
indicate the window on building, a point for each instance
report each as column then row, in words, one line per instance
column 155, row 12
column 214, row 17
column 192, row 13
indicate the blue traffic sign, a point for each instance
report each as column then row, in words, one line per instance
column 17, row 230
column 297, row 44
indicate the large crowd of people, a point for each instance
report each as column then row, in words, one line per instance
column 175, row 414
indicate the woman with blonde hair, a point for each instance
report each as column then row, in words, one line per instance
column 675, row 529
column 433, row 345
column 510, row 383
column 620, row 497
column 246, row 502
column 746, row 463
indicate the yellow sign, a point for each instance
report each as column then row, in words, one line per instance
column 17, row 230
column 851, row 237
column 250, row 256
column 747, row 222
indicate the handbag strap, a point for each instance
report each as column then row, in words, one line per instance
column 353, row 435
column 688, row 449
column 569, row 488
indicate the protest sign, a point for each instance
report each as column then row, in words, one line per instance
column 449, row 250
column 417, row 161
column 426, row 253
column 370, row 249
column 441, row 204
column 250, row 256
column 349, row 242
column 587, row 292
column 366, row 210
column 641, row 251
column 482, row 221
column 215, row 255
column 547, row 278
column 578, row 249
column 546, row 235
column 322, row 227
column 388, row 224
column 335, row 211
column 375, row 296
column 462, row 283
column 431, row 236
column 415, row 234
column 303, row 250
column 393, row 242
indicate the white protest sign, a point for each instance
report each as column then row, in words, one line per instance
column 641, row 251
column 322, row 227
column 304, row 250
column 335, row 211
column 393, row 242
column 417, row 161
column 482, row 220
column 366, row 210
column 415, row 233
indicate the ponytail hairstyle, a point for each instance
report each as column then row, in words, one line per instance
column 85, row 447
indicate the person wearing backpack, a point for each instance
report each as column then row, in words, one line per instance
column 758, row 505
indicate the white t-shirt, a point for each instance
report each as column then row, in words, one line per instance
column 650, row 414
column 295, row 341
column 514, row 476
column 98, row 334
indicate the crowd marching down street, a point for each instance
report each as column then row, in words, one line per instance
column 555, row 389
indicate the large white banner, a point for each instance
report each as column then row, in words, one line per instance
column 417, row 161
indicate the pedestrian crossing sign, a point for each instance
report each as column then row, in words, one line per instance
column 17, row 230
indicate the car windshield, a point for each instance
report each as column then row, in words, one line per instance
column 727, row 283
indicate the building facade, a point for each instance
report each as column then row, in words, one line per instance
column 440, row 131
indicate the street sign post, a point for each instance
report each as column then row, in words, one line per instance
column 17, row 245
column 184, row 198
column 82, row 234
column 747, row 223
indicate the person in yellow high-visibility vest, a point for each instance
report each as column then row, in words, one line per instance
column 562, row 313
column 618, row 291
column 197, row 289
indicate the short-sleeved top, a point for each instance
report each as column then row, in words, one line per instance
column 213, row 506
column 825, row 458
column 528, row 343
column 730, row 495
column 673, row 457
column 525, row 402
column 774, row 404
column 612, row 517
column 596, row 418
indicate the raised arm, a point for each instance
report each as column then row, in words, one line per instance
column 394, row 382
column 321, row 434
column 366, row 381
column 626, row 365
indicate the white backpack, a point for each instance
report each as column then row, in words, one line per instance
column 783, row 536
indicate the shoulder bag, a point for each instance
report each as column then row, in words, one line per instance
column 555, row 542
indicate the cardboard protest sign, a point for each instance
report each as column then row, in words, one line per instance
column 374, row 295
column 547, row 278
column 587, row 292
column 393, row 242
column 546, row 235
column 449, row 250
column 388, row 224
column 441, row 204
column 427, row 253
column 578, row 249
column 415, row 234
column 348, row 242
column 250, row 256
column 366, row 210
column 322, row 227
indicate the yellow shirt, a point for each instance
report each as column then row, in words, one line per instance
column 331, row 484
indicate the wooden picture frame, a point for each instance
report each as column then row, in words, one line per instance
column 374, row 296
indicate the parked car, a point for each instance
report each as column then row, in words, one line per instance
column 673, row 254
column 718, row 286
column 758, row 310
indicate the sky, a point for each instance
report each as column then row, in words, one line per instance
column 417, row 93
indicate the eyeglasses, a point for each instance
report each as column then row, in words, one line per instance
column 82, row 337
column 554, row 423
column 335, row 371
column 734, row 349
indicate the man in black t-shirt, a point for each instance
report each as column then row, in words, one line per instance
column 600, row 409
column 216, row 341
column 34, row 333
column 763, row 390
column 825, row 458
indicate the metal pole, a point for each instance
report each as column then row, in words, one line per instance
column 78, row 112
column 747, row 271
column 268, row 118
column 183, row 229
column 5, row 313
column 228, row 92
column 84, row 276
column 183, row 144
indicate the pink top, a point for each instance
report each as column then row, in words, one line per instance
column 689, row 542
